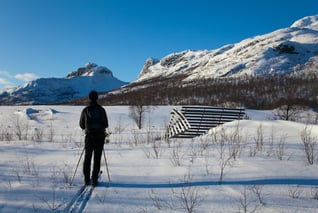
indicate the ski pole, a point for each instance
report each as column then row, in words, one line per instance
column 77, row 166
column 106, row 165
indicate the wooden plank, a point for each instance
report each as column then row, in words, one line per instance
column 183, row 118
column 193, row 121
column 210, row 108
column 178, row 123
column 206, row 113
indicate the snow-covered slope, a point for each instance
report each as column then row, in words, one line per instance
column 56, row 90
column 279, row 52
column 264, row 164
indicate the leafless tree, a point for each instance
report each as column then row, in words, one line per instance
column 137, row 113
column 288, row 112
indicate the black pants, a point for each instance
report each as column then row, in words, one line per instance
column 94, row 143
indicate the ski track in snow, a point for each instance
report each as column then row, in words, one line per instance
column 79, row 201
column 81, row 198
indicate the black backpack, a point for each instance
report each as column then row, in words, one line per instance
column 94, row 118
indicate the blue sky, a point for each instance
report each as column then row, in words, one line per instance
column 50, row 38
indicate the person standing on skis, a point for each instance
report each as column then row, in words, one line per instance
column 94, row 121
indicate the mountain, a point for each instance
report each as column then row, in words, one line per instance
column 280, row 52
column 264, row 72
column 76, row 84
column 177, row 77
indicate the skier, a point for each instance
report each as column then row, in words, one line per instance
column 94, row 121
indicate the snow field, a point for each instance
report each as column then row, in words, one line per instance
column 269, row 173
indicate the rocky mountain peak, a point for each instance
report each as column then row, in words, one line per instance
column 149, row 62
column 310, row 22
column 90, row 69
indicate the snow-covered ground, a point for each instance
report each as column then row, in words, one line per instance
column 268, row 171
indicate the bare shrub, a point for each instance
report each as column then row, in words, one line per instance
column 221, row 140
column 294, row 191
column 53, row 203
column 156, row 148
column 9, row 184
column 159, row 202
column 67, row 176
column 176, row 154
column 38, row 135
column 204, row 144
column 189, row 196
column 119, row 127
column 18, row 128
column 258, row 191
column 51, row 132
column 280, row 148
column 259, row 138
column 153, row 139
column 154, row 151
column 252, row 151
column 138, row 138
column 247, row 202
column 208, row 168
column 5, row 134
column 234, row 141
column 18, row 174
column 30, row 167
column 135, row 137
column 193, row 151
column 147, row 152
column 271, row 140
column 21, row 128
column 314, row 193
column 101, row 199
column 309, row 143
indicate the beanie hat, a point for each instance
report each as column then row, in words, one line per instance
column 93, row 96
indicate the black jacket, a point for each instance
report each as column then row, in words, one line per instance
column 90, row 124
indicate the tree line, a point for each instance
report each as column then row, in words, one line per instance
column 255, row 92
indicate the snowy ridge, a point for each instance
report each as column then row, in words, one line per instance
column 77, row 84
column 279, row 52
